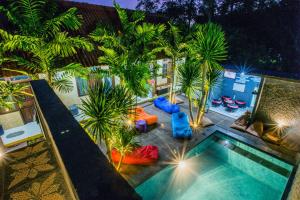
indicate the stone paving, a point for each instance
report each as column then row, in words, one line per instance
column 161, row 136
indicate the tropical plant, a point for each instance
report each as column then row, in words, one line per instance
column 189, row 79
column 12, row 94
column 175, row 48
column 106, row 109
column 129, row 50
column 124, row 142
column 208, row 48
column 43, row 41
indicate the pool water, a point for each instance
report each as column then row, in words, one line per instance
column 220, row 168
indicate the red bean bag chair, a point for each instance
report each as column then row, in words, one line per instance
column 144, row 155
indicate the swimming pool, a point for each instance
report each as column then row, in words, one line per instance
column 219, row 168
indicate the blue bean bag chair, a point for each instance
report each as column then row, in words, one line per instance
column 163, row 104
column 181, row 126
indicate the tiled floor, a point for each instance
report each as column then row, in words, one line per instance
column 161, row 136
column 236, row 114
column 32, row 173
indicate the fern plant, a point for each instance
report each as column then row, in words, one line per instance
column 41, row 42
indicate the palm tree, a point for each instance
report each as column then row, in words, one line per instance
column 174, row 47
column 129, row 50
column 43, row 42
column 189, row 78
column 124, row 142
column 106, row 109
column 208, row 47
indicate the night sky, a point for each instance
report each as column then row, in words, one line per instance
column 131, row 4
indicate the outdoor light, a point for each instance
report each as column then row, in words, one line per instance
column 243, row 74
column 281, row 123
column 194, row 125
column 129, row 122
column 181, row 164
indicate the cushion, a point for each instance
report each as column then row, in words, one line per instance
column 257, row 129
column 272, row 137
column 242, row 122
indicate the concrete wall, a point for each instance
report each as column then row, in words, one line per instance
column 279, row 102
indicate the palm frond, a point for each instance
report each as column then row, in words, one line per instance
column 18, row 42
column 62, row 82
column 66, row 46
column 67, row 20
column 74, row 69
column 209, row 44
column 189, row 77
column 30, row 10
column 105, row 109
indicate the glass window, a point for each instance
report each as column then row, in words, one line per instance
column 82, row 86
column 164, row 70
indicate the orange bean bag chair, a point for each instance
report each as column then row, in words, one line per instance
column 140, row 114
column 144, row 155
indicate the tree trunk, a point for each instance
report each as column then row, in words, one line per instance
column 120, row 162
column 113, row 81
column 108, row 150
column 200, row 105
column 191, row 109
column 173, row 81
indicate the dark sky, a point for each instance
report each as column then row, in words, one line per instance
column 131, row 4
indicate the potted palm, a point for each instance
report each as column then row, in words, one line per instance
column 123, row 142
column 106, row 108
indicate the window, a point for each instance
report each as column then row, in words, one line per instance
column 82, row 86
column 164, row 70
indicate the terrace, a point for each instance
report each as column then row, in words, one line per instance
column 161, row 136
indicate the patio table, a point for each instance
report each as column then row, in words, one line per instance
column 241, row 104
column 216, row 102
column 232, row 107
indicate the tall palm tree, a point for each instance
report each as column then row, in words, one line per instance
column 106, row 109
column 42, row 43
column 128, row 51
column 124, row 142
column 174, row 47
column 189, row 79
column 208, row 47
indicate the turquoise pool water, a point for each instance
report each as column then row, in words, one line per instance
column 220, row 168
